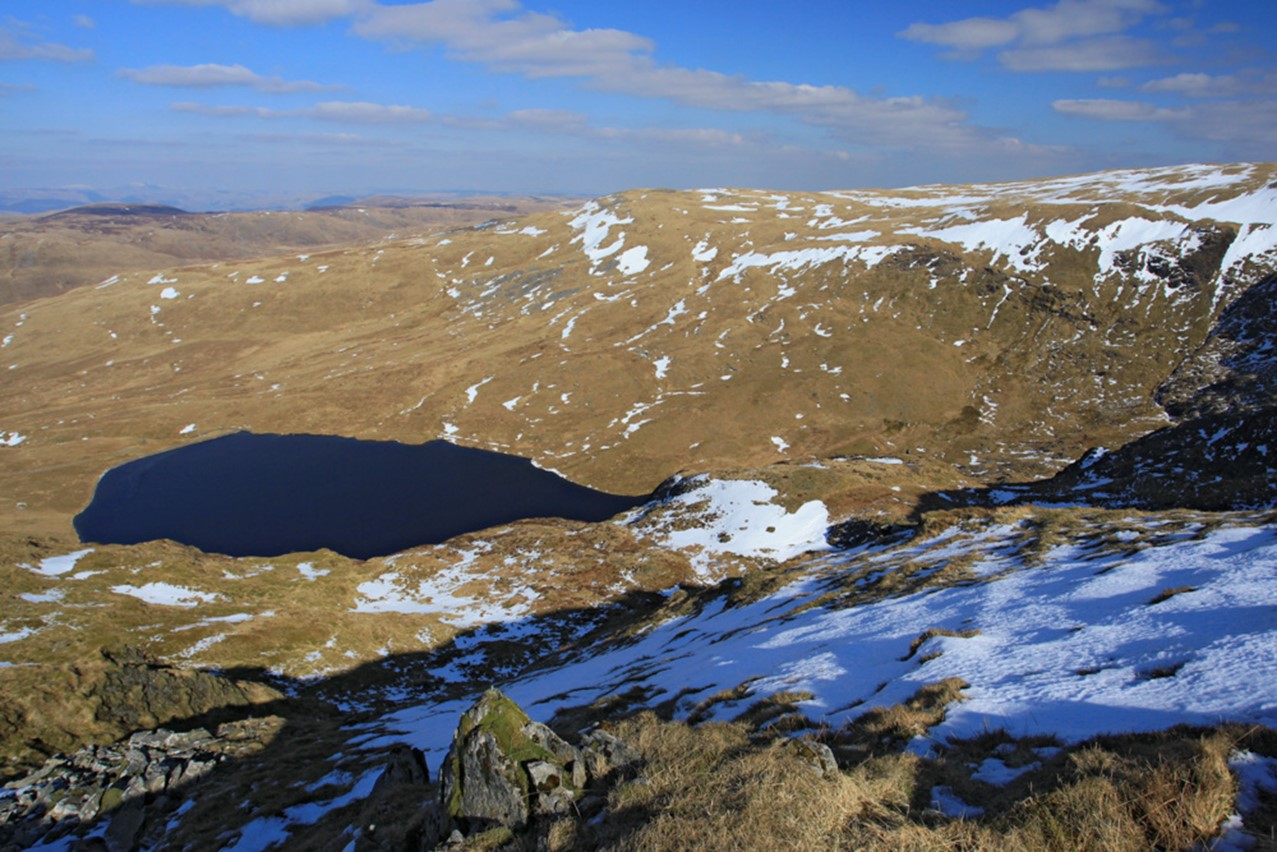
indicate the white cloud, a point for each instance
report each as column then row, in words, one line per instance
column 211, row 75
column 967, row 35
column 1071, row 35
column 1197, row 85
column 324, row 140
column 84, row 22
column 1065, row 20
column 1082, row 19
column 345, row 112
column 277, row 12
column 505, row 38
column 569, row 123
column 1247, row 128
column 17, row 44
column 677, row 135
column 554, row 120
column 499, row 34
column 366, row 113
column 1250, row 127
column 1107, row 53
column 224, row 111
column 1115, row 110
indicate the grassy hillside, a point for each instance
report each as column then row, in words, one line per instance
column 850, row 397
column 47, row 254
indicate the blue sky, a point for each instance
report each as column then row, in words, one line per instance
column 289, row 97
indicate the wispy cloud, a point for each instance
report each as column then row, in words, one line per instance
column 569, row 123
column 346, row 112
column 1071, row 35
column 1115, row 110
column 276, row 12
column 324, row 140
column 16, row 42
column 366, row 113
column 1250, row 126
column 1198, row 85
column 505, row 38
column 1106, row 53
column 211, row 75
column 84, row 22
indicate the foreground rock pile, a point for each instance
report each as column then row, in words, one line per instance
column 504, row 773
column 116, row 786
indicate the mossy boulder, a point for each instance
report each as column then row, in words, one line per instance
column 504, row 769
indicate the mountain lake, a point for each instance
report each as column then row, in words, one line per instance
column 265, row 495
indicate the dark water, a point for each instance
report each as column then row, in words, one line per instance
column 265, row 495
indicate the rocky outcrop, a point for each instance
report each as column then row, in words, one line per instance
column 505, row 771
column 49, row 709
column 138, row 691
column 119, row 786
column 1218, row 462
column 1236, row 368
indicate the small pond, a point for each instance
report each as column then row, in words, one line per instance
column 266, row 495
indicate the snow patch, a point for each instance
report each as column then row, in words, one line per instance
column 738, row 517
column 633, row 261
column 53, row 566
column 166, row 594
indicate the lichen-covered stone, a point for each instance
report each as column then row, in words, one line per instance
column 503, row 769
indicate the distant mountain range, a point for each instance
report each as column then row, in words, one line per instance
column 57, row 251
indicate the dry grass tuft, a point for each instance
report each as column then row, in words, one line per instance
column 933, row 632
column 1167, row 594
column 889, row 728
column 719, row 786
column 709, row 788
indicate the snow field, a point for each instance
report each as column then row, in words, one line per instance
column 1071, row 644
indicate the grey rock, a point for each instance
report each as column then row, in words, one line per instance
column 568, row 756
column 817, row 755
column 135, row 761
column 405, row 765
column 545, row 776
column 551, row 793
column 126, row 826
column 605, row 753
column 156, row 777
column 505, row 770
column 492, row 794
column 547, row 739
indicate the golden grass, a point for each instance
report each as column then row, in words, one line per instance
column 718, row 786
column 709, row 788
